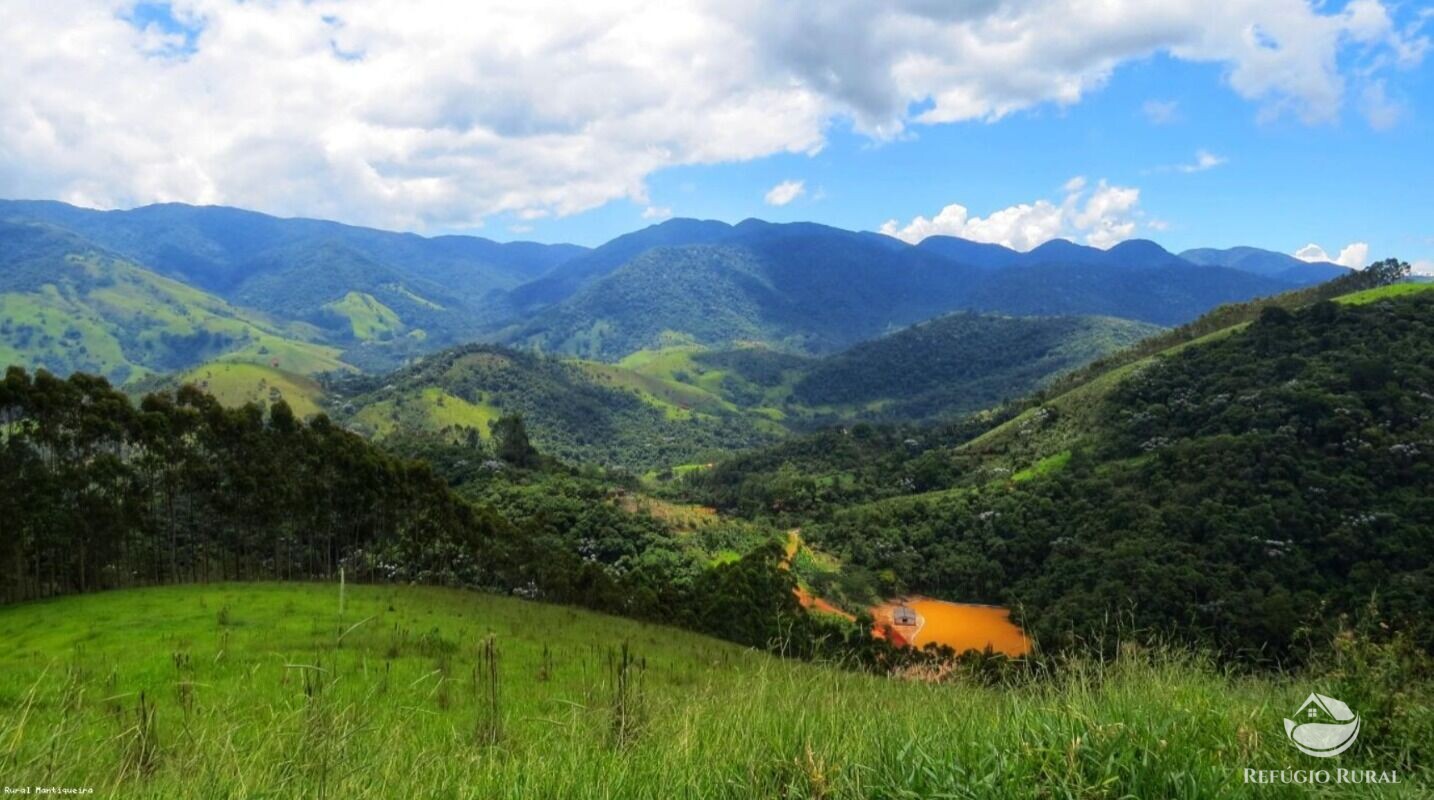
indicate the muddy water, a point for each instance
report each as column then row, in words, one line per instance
column 960, row 626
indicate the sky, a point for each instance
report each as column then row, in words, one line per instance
column 1294, row 125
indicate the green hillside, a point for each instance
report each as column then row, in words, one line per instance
column 963, row 362
column 68, row 306
column 683, row 403
column 580, row 413
column 1054, row 420
column 1242, row 488
column 306, row 689
column 436, row 290
column 367, row 318
column 235, row 383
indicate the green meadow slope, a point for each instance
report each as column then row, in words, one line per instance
column 246, row 690
column 67, row 306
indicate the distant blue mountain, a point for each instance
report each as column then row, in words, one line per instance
column 797, row 286
column 977, row 254
column 1268, row 263
column 299, row 269
column 816, row 289
column 218, row 249
column 572, row 275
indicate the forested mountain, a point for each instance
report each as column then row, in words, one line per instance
column 1267, row 263
column 1247, row 487
column 219, row 248
column 571, row 412
column 805, row 289
column 578, row 272
column 432, row 292
column 381, row 299
column 812, row 289
column 67, row 305
column 1168, row 295
column 682, row 404
column 962, row 362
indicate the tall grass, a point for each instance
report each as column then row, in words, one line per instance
column 141, row 694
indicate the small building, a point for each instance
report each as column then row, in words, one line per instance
column 904, row 616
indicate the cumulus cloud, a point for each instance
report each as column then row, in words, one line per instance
column 441, row 113
column 1423, row 266
column 656, row 212
column 1103, row 216
column 785, row 192
column 1354, row 255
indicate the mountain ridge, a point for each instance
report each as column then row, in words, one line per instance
column 381, row 299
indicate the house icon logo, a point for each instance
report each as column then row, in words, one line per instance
column 1323, row 727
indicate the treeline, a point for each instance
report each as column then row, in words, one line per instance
column 98, row 493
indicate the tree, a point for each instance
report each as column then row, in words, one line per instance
column 510, row 438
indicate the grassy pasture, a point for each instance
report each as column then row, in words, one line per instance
column 273, row 690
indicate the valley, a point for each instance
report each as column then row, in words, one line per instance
column 713, row 441
column 716, row 401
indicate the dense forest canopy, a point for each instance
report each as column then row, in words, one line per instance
column 1253, row 491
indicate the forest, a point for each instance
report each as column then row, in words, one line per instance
column 102, row 493
column 1253, row 493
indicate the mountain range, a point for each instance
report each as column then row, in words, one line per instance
column 784, row 324
column 815, row 289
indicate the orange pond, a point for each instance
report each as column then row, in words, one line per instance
column 960, row 626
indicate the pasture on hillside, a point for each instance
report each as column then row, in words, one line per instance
column 287, row 690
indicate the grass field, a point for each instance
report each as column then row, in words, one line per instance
column 273, row 690
column 235, row 383
column 430, row 410
column 368, row 318
column 1385, row 292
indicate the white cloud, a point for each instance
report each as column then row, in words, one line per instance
column 1105, row 216
column 1354, row 255
column 1423, row 266
column 440, row 113
column 1381, row 112
column 785, row 192
column 656, row 212
column 1161, row 112
column 1204, row 160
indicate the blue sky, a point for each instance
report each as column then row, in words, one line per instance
column 1277, row 123
column 1283, row 184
